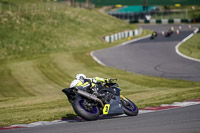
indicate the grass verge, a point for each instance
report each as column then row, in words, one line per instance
column 191, row 47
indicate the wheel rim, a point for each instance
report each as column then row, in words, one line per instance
column 92, row 111
column 130, row 106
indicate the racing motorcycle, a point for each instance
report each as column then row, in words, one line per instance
column 103, row 99
column 153, row 35
column 169, row 33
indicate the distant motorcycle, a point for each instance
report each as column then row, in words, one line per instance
column 154, row 35
column 169, row 33
column 104, row 99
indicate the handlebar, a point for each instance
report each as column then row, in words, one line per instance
column 113, row 80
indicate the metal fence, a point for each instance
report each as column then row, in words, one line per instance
column 154, row 14
column 142, row 2
column 181, row 14
column 132, row 15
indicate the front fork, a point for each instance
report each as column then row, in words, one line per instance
column 107, row 106
column 124, row 98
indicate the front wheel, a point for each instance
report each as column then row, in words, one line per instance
column 129, row 107
column 83, row 108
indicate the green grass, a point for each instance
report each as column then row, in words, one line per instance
column 41, row 53
column 191, row 47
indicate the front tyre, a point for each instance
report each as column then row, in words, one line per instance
column 129, row 107
column 82, row 108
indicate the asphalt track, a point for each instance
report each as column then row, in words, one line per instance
column 155, row 57
column 180, row 120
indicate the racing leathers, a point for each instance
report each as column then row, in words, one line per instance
column 94, row 84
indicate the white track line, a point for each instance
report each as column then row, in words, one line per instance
column 40, row 123
column 185, row 39
column 125, row 43
column 96, row 59
column 181, row 104
column 169, row 106
column 141, row 111
column 134, row 40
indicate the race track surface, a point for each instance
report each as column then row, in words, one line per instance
column 180, row 120
column 155, row 57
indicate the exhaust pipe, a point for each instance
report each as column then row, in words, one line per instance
column 90, row 96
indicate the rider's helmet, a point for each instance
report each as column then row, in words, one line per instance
column 74, row 83
column 80, row 77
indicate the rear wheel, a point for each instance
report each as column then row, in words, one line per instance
column 84, row 108
column 129, row 107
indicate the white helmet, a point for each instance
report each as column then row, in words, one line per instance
column 74, row 83
column 80, row 77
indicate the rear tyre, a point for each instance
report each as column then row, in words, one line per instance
column 129, row 107
column 152, row 37
column 83, row 111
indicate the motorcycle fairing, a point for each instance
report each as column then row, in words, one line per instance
column 114, row 108
column 106, row 109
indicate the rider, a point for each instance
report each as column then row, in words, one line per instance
column 154, row 34
column 83, row 83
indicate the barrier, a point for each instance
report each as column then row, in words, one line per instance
column 124, row 34
column 161, row 21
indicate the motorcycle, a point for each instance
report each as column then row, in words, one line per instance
column 169, row 33
column 153, row 35
column 104, row 99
